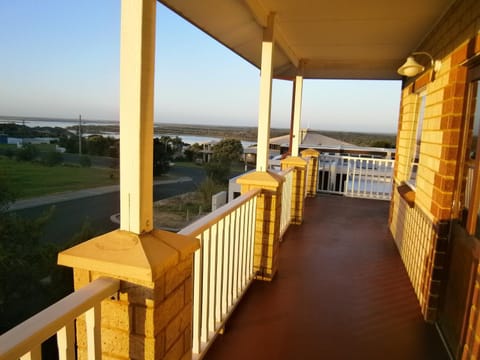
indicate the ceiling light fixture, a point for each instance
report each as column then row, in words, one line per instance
column 412, row 68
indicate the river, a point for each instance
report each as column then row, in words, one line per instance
column 64, row 123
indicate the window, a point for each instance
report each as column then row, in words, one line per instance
column 471, row 183
column 416, row 139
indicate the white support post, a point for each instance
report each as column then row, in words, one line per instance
column 297, row 114
column 137, row 60
column 265, row 101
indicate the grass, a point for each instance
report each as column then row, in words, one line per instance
column 31, row 179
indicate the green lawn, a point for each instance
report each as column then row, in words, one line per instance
column 31, row 179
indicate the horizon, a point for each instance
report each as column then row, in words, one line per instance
column 197, row 80
column 4, row 119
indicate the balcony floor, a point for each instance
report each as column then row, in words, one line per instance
column 341, row 292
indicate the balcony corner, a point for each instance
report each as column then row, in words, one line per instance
column 155, row 290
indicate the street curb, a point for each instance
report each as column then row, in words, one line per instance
column 79, row 194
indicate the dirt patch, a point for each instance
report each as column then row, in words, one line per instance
column 178, row 211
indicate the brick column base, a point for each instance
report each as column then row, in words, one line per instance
column 152, row 316
column 267, row 233
column 298, row 186
column 312, row 172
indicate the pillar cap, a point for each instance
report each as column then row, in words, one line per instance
column 310, row 152
column 262, row 179
column 296, row 161
column 124, row 254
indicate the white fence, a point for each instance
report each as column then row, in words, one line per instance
column 286, row 213
column 223, row 267
column 25, row 340
column 352, row 176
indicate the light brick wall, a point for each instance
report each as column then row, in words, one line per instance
column 312, row 170
column 267, row 227
column 298, row 186
column 148, row 320
column 453, row 41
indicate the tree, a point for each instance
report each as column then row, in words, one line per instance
column 218, row 171
column 224, row 153
column 162, row 155
column 193, row 152
column 24, row 262
column 227, row 150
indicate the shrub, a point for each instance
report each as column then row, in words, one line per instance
column 52, row 158
column 10, row 153
column 218, row 171
column 85, row 161
column 27, row 152
column 206, row 190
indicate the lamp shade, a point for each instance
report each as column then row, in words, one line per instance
column 410, row 68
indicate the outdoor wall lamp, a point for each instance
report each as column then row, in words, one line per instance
column 412, row 68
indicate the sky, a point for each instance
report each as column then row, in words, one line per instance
column 60, row 59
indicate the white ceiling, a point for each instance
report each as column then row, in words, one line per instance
column 334, row 39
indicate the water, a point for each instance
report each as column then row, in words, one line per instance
column 64, row 123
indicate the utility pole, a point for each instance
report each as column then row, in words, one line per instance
column 80, row 135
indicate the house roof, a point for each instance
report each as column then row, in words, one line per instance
column 341, row 39
column 310, row 139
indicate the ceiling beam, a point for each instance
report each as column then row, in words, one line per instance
column 261, row 15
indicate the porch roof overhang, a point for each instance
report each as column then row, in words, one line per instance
column 341, row 39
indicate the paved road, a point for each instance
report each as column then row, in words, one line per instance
column 70, row 215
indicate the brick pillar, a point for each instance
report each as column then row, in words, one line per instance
column 152, row 316
column 269, row 208
column 298, row 186
column 312, row 173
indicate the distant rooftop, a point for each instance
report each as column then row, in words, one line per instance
column 310, row 138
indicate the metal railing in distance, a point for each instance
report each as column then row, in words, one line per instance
column 223, row 266
column 353, row 176
column 24, row 341
column 286, row 214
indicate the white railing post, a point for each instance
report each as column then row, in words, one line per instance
column 92, row 319
column 286, row 200
column 24, row 341
column 368, row 178
column 66, row 342
column 224, row 270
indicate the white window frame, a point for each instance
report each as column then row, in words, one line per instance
column 416, row 142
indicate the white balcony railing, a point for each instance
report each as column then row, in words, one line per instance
column 223, row 267
column 286, row 213
column 362, row 177
column 25, row 340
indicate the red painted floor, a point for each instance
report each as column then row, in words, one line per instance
column 341, row 292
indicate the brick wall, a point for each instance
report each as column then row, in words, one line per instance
column 454, row 40
column 148, row 320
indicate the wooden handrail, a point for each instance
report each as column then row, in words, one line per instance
column 35, row 330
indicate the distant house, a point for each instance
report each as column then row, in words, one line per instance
column 33, row 141
column 312, row 139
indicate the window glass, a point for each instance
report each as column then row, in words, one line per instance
column 472, row 148
column 415, row 151
column 471, row 199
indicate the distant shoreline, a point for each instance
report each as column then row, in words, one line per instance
column 247, row 133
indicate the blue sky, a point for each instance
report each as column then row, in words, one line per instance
column 60, row 58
